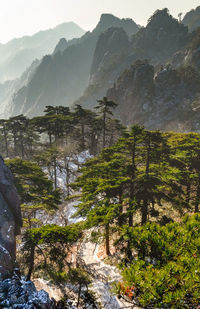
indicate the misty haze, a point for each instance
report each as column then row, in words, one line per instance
column 99, row 154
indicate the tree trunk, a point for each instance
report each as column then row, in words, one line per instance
column 148, row 155
column 132, row 184
column 197, row 200
column 50, row 138
column 67, row 176
column 31, row 263
column 79, row 294
column 104, row 129
column 129, row 252
column 107, row 228
column 55, row 174
column 144, row 212
column 82, row 137
column 188, row 193
column 145, row 201
column 120, row 218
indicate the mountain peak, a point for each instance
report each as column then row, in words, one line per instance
column 61, row 46
column 192, row 19
column 106, row 17
column 108, row 20
column 162, row 18
column 110, row 42
column 163, row 26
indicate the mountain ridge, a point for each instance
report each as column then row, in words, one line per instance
column 65, row 76
column 18, row 54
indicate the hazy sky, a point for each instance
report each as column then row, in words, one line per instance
column 25, row 17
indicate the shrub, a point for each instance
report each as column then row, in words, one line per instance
column 166, row 271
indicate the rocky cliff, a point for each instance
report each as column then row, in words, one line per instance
column 161, row 38
column 9, row 90
column 10, row 220
column 82, row 71
column 111, row 57
column 158, row 42
column 192, row 19
column 18, row 293
column 162, row 100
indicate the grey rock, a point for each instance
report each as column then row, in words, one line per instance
column 20, row 294
column 10, row 220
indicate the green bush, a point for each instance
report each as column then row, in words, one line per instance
column 166, row 271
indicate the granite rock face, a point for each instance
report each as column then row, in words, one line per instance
column 16, row 293
column 162, row 100
column 10, row 220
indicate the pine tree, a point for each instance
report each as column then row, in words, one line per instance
column 104, row 107
column 35, row 189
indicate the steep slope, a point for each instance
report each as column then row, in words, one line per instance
column 192, row 19
column 164, row 100
column 18, row 54
column 61, row 46
column 165, row 97
column 162, row 37
column 111, row 57
column 62, row 77
column 109, row 20
column 9, row 89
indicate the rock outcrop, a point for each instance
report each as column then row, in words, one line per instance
column 192, row 19
column 16, row 293
column 10, row 220
column 164, row 100
column 115, row 52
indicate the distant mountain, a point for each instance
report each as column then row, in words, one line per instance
column 18, row 54
column 165, row 97
column 161, row 38
column 61, row 46
column 109, row 20
column 162, row 92
column 158, row 41
column 61, row 78
column 9, row 90
column 153, row 73
column 165, row 100
column 192, row 19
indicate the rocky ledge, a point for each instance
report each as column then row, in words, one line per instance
column 16, row 293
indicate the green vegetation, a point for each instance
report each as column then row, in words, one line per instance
column 51, row 243
column 166, row 269
column 131, row 184
column 35, row 190
column 140, row 195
